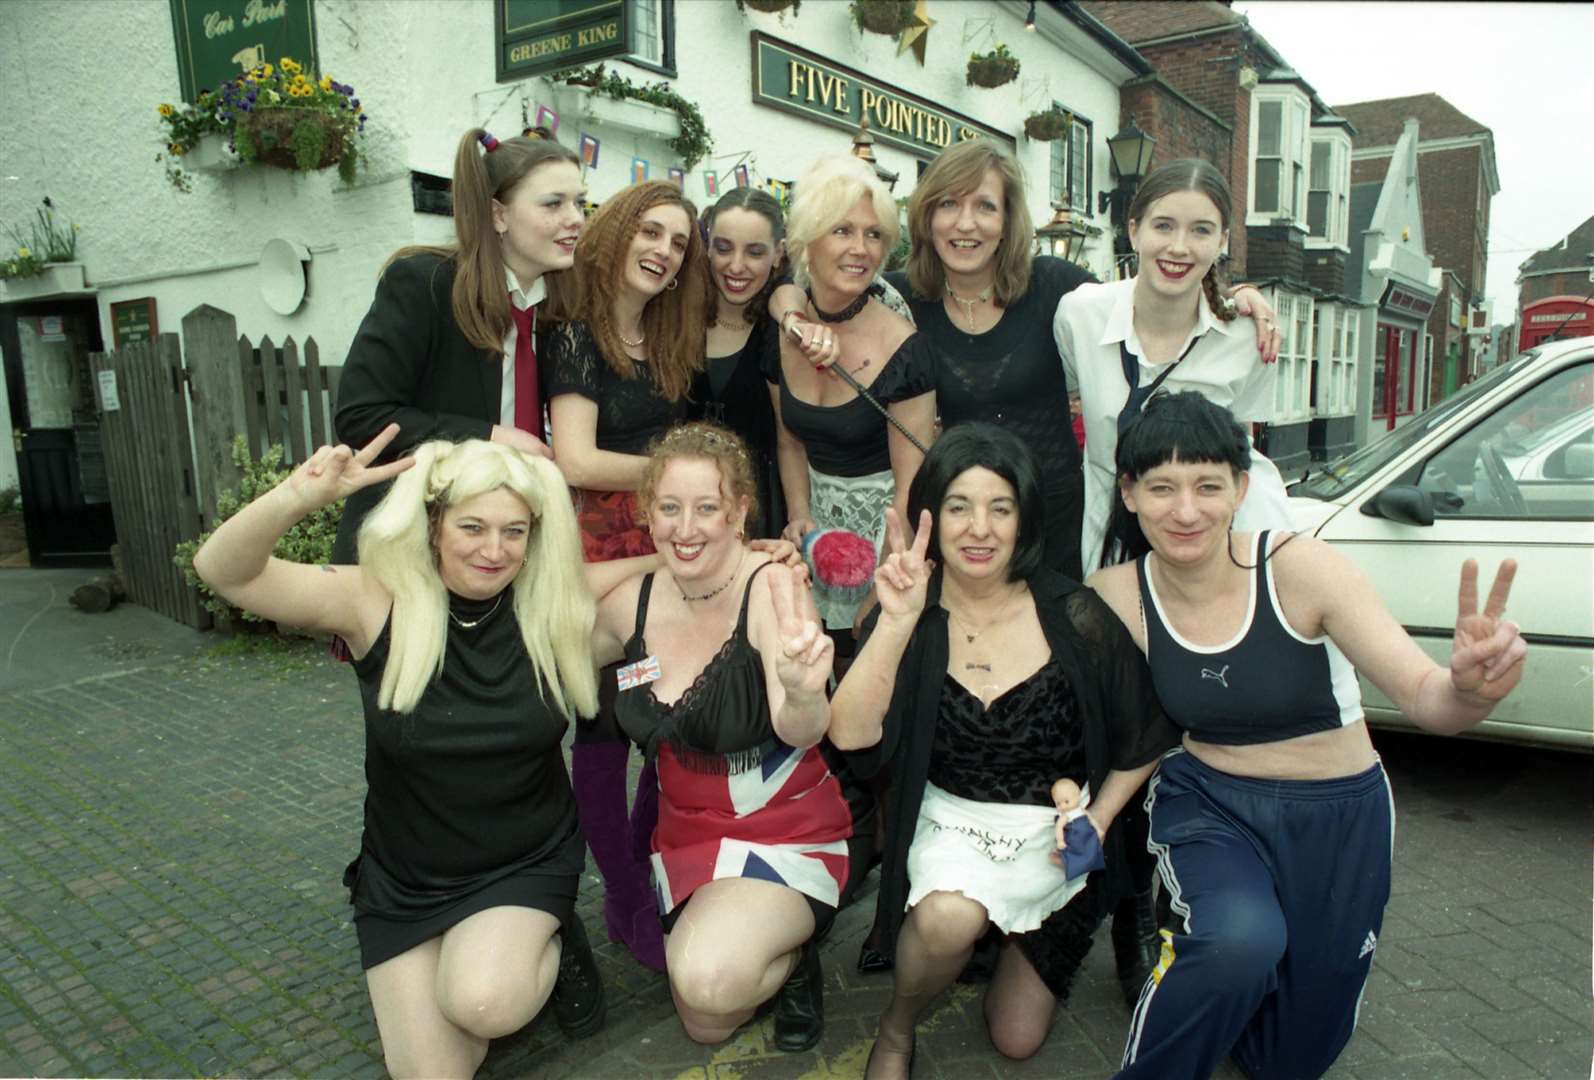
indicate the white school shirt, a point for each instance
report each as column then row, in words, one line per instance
column 1223, row 365
column 522, row 299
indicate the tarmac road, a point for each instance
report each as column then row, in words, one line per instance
column 174, row 825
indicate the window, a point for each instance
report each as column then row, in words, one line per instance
column 1533, row 457
column 1071, row 165
column 1328, row 188
column 653, row 33
column 1279, row 126
column 1292, row 388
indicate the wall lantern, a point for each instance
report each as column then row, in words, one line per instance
column 863, row 148
column 1131, row 151
column 1062, row 236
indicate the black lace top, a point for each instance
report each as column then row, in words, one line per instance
column 1012, row 376
column 850, row 439
column 631, row 411
column 1013, row 750
column 722, row 722
column 733, row 392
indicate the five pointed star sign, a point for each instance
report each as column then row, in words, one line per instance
column 916, row 36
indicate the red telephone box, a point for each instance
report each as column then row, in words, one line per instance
column 1555, row 318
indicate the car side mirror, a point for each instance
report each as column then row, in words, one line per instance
column 1405, row 503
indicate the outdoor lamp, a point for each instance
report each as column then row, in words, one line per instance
column 1065, row 236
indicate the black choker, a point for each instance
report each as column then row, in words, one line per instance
column 845, row 313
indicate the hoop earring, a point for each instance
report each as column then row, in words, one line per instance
column 674, row 281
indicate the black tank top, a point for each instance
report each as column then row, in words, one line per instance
column 721, row 723
column 1266, row 684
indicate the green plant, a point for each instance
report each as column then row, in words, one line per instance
column 1048, row 125
column 308, row 542
column 889, row 17
column 992, row 69
column 44, row 242
column 274, row 116
column 694, row 142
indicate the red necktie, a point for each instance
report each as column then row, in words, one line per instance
column 528, row 409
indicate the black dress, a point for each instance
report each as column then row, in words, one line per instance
column 1012, row 376
column 468, row 804
column 732, row 392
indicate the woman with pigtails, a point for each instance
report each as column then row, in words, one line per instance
column 446, row 350
column 470, row 630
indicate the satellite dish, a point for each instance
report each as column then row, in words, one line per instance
column 282, row 282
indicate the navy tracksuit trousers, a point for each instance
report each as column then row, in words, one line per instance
column 1278, row 891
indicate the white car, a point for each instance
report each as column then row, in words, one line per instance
column 1504, row 468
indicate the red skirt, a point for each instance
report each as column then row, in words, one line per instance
column 610, row 525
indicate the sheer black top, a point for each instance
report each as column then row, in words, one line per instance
column 1013, row 750
column 631, row 411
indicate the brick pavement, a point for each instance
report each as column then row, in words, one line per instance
column 173, row 829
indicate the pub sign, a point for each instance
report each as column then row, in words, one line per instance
column 218, row 40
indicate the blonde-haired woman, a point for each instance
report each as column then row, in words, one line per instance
column 841, row 462
column 471, row 636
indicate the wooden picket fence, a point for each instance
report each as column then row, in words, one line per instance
column 168, row 445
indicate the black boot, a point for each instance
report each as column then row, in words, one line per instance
column 800, row 1004
column 578, row 991
column 1136, row 945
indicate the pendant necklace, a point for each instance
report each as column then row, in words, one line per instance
column 968, row 305
column 712, row 593
column 971, row 635
column 474, row 623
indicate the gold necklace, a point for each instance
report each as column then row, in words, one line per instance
column 968, row 305
column 972, row 634
column 474, row 623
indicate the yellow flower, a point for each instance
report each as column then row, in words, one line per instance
column 23, row 253
column 76, row 227
column 265, row 71
column 167, row 110
column 289, row 64
column 326, row 83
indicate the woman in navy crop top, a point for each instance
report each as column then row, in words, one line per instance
column 1254, row 641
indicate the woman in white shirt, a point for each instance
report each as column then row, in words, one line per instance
column 1167, row 327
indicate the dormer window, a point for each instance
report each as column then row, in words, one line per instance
column 1279, row 125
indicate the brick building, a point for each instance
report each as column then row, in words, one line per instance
column 1556, row 290
column 1459, row 177
column 1221, row 92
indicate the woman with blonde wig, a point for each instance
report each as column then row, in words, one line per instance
column 471, row 636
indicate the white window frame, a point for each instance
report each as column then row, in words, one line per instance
column 1337, row 231
column 1294, row 117
column 1292, row 388
column 1072, row 162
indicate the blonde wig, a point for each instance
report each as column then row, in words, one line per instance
column 674, row 321
column 829, row 189
column 956, row 171
column 708, row 441
column 551, row 601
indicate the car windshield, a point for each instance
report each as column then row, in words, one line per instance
column 1332, row 480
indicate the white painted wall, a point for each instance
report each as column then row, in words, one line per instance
column 424, row 71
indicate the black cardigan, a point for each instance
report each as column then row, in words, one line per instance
column 411, row 363
column 1124, row 723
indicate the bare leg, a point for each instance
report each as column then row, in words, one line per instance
column 936, row 940
column 731, row 950
column 497, row 968
column 1018, row 1007
column 417, row 1039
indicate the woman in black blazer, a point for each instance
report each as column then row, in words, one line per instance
column 446, row 350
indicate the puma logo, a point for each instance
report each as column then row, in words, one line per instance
column 1217, row 676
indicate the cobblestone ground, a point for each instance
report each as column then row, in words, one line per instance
column 173, row 834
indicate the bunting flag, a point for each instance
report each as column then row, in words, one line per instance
column 711, row 184
column 639, row 170
column 678, row 176
column 743, row 177
column 589, row 150
column 547, row 118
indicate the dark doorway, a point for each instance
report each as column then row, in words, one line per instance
column 55, row 427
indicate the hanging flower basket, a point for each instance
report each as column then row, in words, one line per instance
column 770, row 7
column 888, row 17
column 1048, row 125
column 992, row 69
column 289, row 138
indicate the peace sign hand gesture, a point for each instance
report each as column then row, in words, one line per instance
column 806, row 652
column 903, row 579
column 1487, row 651
column 334, row 472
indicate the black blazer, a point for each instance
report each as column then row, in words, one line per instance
column 410, row 363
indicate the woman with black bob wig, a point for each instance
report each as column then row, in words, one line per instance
column 1254, row 641
column 984, row 679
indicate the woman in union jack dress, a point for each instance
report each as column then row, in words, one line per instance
column 723, row 686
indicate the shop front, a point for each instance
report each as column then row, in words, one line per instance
column 1399, row 356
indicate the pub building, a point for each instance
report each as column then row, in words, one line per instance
column 290, row 253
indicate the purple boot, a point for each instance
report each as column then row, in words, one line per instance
column 598, row 776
